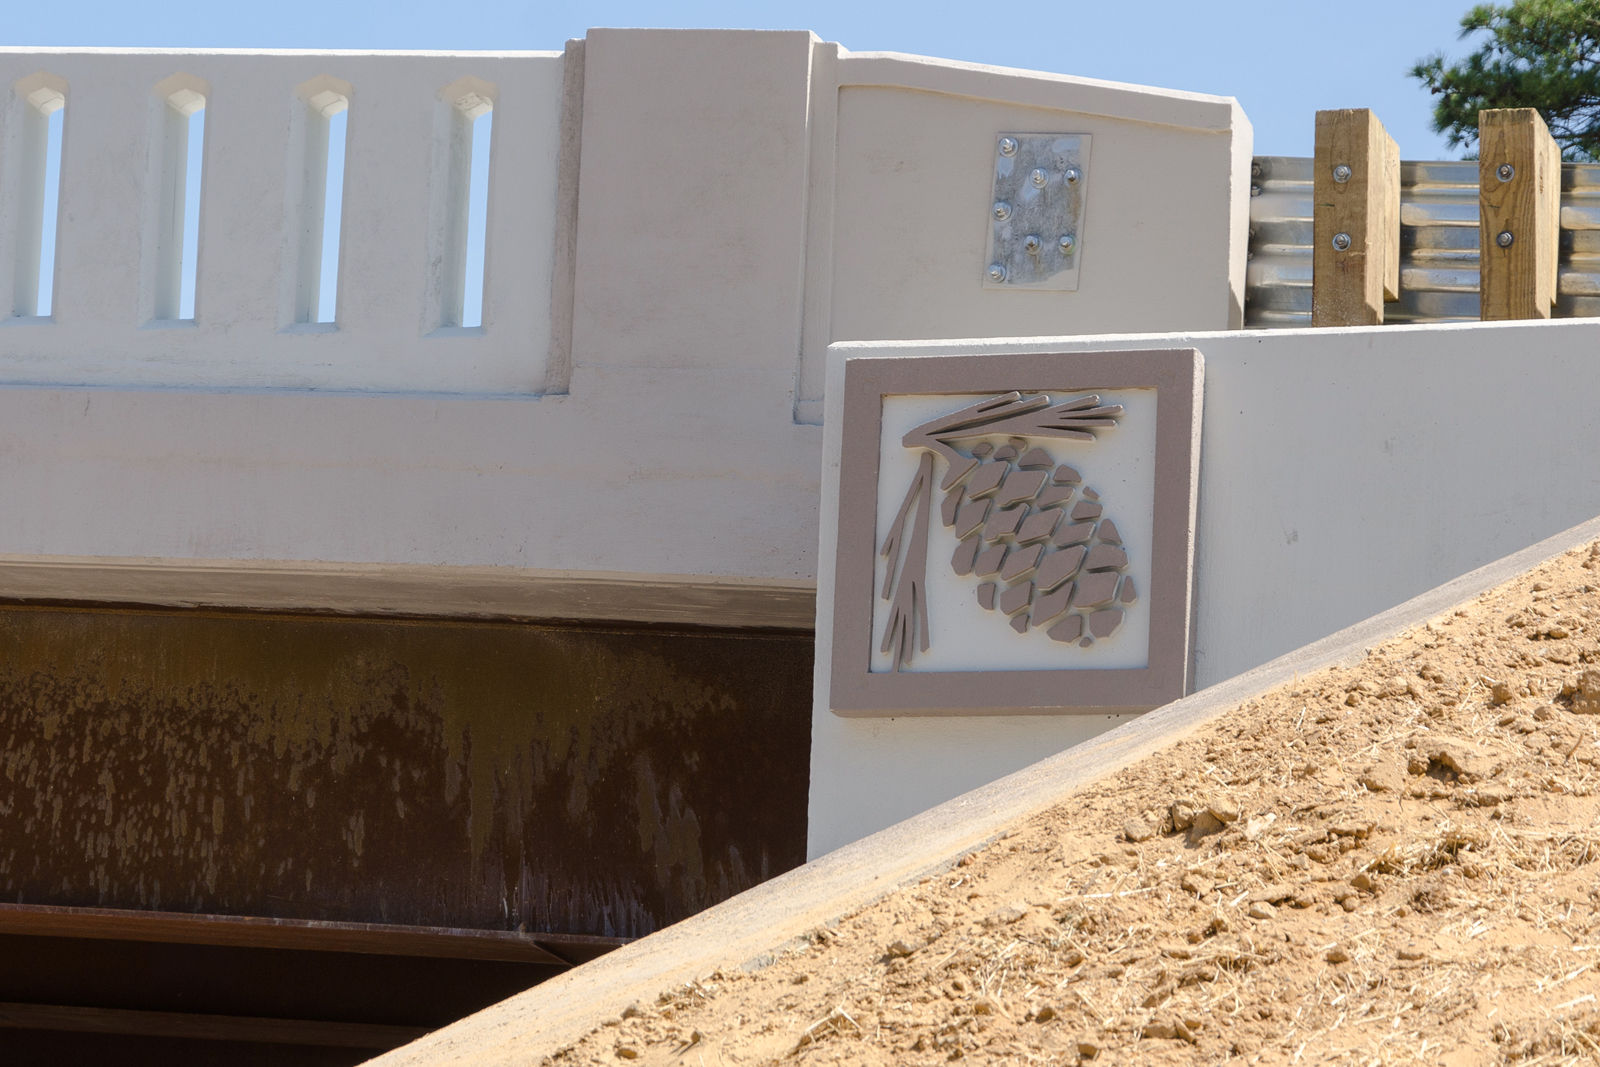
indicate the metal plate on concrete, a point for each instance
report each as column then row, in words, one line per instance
column 1036, row 217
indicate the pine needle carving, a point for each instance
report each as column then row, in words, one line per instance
column 908, row 614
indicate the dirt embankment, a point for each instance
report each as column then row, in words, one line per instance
column 1384, row 863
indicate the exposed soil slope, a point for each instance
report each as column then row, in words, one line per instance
column 1383, row 863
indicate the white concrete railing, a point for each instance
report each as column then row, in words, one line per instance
column 679, row 224
column 877, row 169
column 114, row 318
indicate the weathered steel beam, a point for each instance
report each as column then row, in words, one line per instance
column 422, row 773
column 129, row 1023
column 254, row 931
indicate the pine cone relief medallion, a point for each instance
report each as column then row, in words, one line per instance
column 998, row 498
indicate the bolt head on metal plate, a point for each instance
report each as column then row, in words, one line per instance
column 1505, row 172
column 1504, row 239
column 1341, row 242
column 1040, row 182
column 1341, row 173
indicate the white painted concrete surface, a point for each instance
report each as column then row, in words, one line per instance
column 1342, row 472
column 611, row 479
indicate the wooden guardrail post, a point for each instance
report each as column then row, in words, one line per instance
column 1355, row 258
column 1519, row 214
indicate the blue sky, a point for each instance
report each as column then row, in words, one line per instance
column 1283, row 59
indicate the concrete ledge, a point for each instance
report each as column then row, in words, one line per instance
column 1031, row 88
column 751, row 927
column 409, row 589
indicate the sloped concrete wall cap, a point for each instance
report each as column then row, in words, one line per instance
column 1078, row 664
column 1042, row 89
column 755, row 925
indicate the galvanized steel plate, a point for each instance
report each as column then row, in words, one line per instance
column 1036, row 217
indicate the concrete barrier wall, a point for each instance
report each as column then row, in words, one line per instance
column 1342, row 472
column 679, row 223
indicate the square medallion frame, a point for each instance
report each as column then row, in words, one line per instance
column 856, row 691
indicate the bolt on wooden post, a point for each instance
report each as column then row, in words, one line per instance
column 1355, row 258
column 1519, row 214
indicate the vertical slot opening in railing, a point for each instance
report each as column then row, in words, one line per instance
column 468, row 149
column 477, row 220
column 193, row 160
column 179, row 128
column 325, row 115
column 43, row 120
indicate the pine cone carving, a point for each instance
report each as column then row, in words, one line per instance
column 1035, row 537
column 1038, row 538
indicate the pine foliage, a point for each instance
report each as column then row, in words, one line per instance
column 1543, row 54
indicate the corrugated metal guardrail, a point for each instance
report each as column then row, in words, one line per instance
column 1438, row 243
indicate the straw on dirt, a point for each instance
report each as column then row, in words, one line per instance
column 1380, row 864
